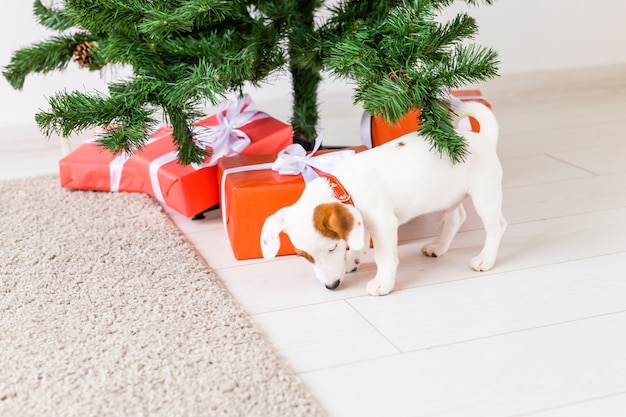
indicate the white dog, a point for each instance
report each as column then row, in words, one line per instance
column 390, row 185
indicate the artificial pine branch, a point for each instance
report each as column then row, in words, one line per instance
column 51, row 18
column 188, row 152
column 44, row 57
column 105, row 16
column 186, row 52
column 75, row 112
column 435, row 124
column 429, row 56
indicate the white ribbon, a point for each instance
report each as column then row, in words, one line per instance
column 115, row 171
column 366, row 129
column 156, row 165
column 227, row 138
column 115, row 166
column 153, row 169
column 455, row 101
column 293, row 160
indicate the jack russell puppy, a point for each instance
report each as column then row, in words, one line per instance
column 375, row 191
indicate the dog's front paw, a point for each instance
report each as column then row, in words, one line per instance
column 379, row 287
column 352, row 262
column 433, row 250
column 352, row 267
column 480, row 264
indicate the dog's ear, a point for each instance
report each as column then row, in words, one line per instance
column 340, row 221
column 270, row 233
column 356, row 238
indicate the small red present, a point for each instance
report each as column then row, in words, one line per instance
column 375, row 130
column 251, row 190
column 237, row 128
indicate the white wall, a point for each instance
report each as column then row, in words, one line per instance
column 529, row 35
column 535, row 35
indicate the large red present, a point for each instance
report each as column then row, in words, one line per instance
column 237, row 128
column 375, row 130
column 251, row 191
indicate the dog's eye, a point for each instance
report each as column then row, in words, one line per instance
column 333, row 248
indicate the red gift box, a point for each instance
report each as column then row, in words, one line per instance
column 154, row 169
column 375, row 130
column 92, row 167
column 250, row 192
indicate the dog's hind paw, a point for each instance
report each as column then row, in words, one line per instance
column 479, row 264
column 379, row 287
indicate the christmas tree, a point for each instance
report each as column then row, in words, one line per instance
column 186, row 53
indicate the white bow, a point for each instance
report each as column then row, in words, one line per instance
column 293, row 160
column 227, row 138
column 447, row 96
column 455, row 101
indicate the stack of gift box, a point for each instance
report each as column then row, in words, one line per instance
column 252, row 170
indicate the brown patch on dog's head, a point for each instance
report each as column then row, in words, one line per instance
column 305, row 255
column 333, row 220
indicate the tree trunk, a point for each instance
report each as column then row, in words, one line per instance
column 305, row 80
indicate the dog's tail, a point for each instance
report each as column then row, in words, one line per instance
column 482, row 114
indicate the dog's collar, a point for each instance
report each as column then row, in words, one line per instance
column 339, row 190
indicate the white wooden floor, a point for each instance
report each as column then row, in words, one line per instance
column 542, row 334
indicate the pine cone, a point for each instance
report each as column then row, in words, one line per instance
column 399, row 75
column 82, row 54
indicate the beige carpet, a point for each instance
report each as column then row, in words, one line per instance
column 105, row 310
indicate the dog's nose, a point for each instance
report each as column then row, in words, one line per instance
column 333, row 285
